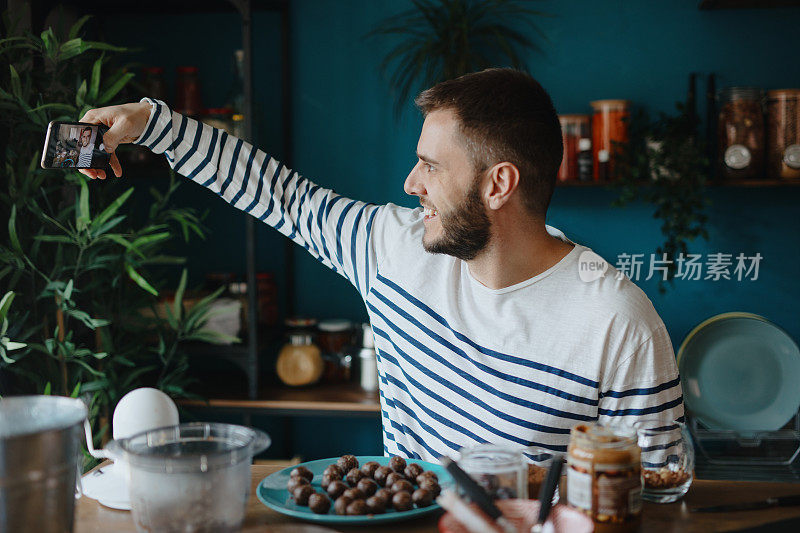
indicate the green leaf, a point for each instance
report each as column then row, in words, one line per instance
column 100, row 355
column 107, row 226
column 82, row 219
column 12, row 230
column 177, row 305
column 5, row 304
column 68, row 290
column 112, row 208
column 76, row 391
column 112, row 91
column 47, row 389
column 91, row 370
column 49, row 41
column 16, row 85
column 80, row 96
column 149, row 239
column 10, row 345
column 54, row 238
column 76, row 28
column 139, row 280
column 173, row 322
column 56, row 108
column 94, row 84
column 212, row 337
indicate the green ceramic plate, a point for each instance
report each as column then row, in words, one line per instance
column 740, row 372
column 272, row 493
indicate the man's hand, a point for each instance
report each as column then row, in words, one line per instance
column 126, row 123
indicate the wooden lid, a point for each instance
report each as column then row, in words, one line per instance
column 599, row 105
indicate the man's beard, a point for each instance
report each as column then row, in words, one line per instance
column 466, row 229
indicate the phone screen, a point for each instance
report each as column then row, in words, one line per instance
column 75, row 145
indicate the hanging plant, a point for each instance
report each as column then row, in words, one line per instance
column 443, row 39
column 664, row 163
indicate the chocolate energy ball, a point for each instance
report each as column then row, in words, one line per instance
column 369, row 468
column 319, row 503
column 295, row 482
column 302, row 493
column 367, row 486
column 386, row 494
column 326, row 481
column 302, row 471
column 412, row 471
column 347, row 462
column 381, row 474
column 341, row 503
column 397, row 463
column 354, row 494
column 333, row 472
column 401, row 501
column 431, row 486
column 376, row 505
column 422, row 498
column 336, row 488
column 392, row 478
column 357, row 507
column 353, row 477
column 402, row 485
column 427, row 474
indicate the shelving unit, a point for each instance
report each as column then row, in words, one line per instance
column 247, row 355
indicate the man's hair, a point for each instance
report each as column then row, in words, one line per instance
column 87, row 128
column 505, row 116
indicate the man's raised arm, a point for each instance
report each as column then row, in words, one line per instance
column 335, row 230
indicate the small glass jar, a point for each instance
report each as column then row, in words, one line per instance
column 574, row 128
column 667, row 460
column 187, row 87
column 604, row 476
column 300, row 360
column 783, row 134
column 153, row 83
column 501, row 470
column 333, row 337
column 609, row 130
column 740, row 131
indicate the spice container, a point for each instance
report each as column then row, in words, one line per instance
column 604, row 476
column 740, row 133
column 368, row 361
column 333, row 337
column 574, row 129
column 609, row 129
column 783, row 133
column 300, row 360
column 187, row 86
column 501, row 471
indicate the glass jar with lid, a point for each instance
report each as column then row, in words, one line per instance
column 574, row 129
column 300, row 360
column 334, row 337
column 740, row 133
column 604, row 476
column 502, row 471
column 187, row 88
column 609, row 130
column 783, row 133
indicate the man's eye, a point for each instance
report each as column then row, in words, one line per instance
column 429, row 167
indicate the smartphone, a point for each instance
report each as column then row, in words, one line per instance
column 75, row 145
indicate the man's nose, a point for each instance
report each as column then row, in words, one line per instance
column 413, row 185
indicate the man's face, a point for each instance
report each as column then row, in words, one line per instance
column 85, row 136
column 448, row 187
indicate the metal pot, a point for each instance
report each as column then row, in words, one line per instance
column 39, row 452
column 190, row 477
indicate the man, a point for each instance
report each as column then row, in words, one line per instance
column 483, row 328
column 88, row 154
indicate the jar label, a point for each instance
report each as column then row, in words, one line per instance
column 579, row 489
column 618, row 496
column 737, row 156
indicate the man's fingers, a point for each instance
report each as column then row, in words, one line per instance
column 89, row 173
column 112, row 137
column 115, row 166
column 101, row 174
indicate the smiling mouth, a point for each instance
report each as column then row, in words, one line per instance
column 429, row 213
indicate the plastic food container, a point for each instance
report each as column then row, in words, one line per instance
column 501, row 471
column 191, row 477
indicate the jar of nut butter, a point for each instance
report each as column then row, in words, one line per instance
column 604, row 476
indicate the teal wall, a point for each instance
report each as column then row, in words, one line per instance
column 347, row 138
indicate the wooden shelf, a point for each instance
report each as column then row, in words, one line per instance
column 343, row 399
column 746, row 4
column 721, row 183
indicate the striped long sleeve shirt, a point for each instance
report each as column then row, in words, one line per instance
column 458, row 363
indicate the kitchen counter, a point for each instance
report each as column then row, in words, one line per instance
column 91, row 517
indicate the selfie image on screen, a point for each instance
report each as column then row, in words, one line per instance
column 79, row 146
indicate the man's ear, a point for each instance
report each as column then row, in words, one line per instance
column 503, row 180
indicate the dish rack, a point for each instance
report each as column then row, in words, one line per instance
column 731, row 447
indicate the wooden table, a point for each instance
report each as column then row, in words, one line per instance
column 91, row 517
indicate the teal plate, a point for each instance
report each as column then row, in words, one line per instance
column 272, row 493
column 740, row 372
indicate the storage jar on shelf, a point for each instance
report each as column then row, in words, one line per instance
column 609, row 130
column 575, row 135
column 783, row 133
column 300, row 360
column 740, row 132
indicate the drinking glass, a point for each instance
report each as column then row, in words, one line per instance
column 667, row 459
